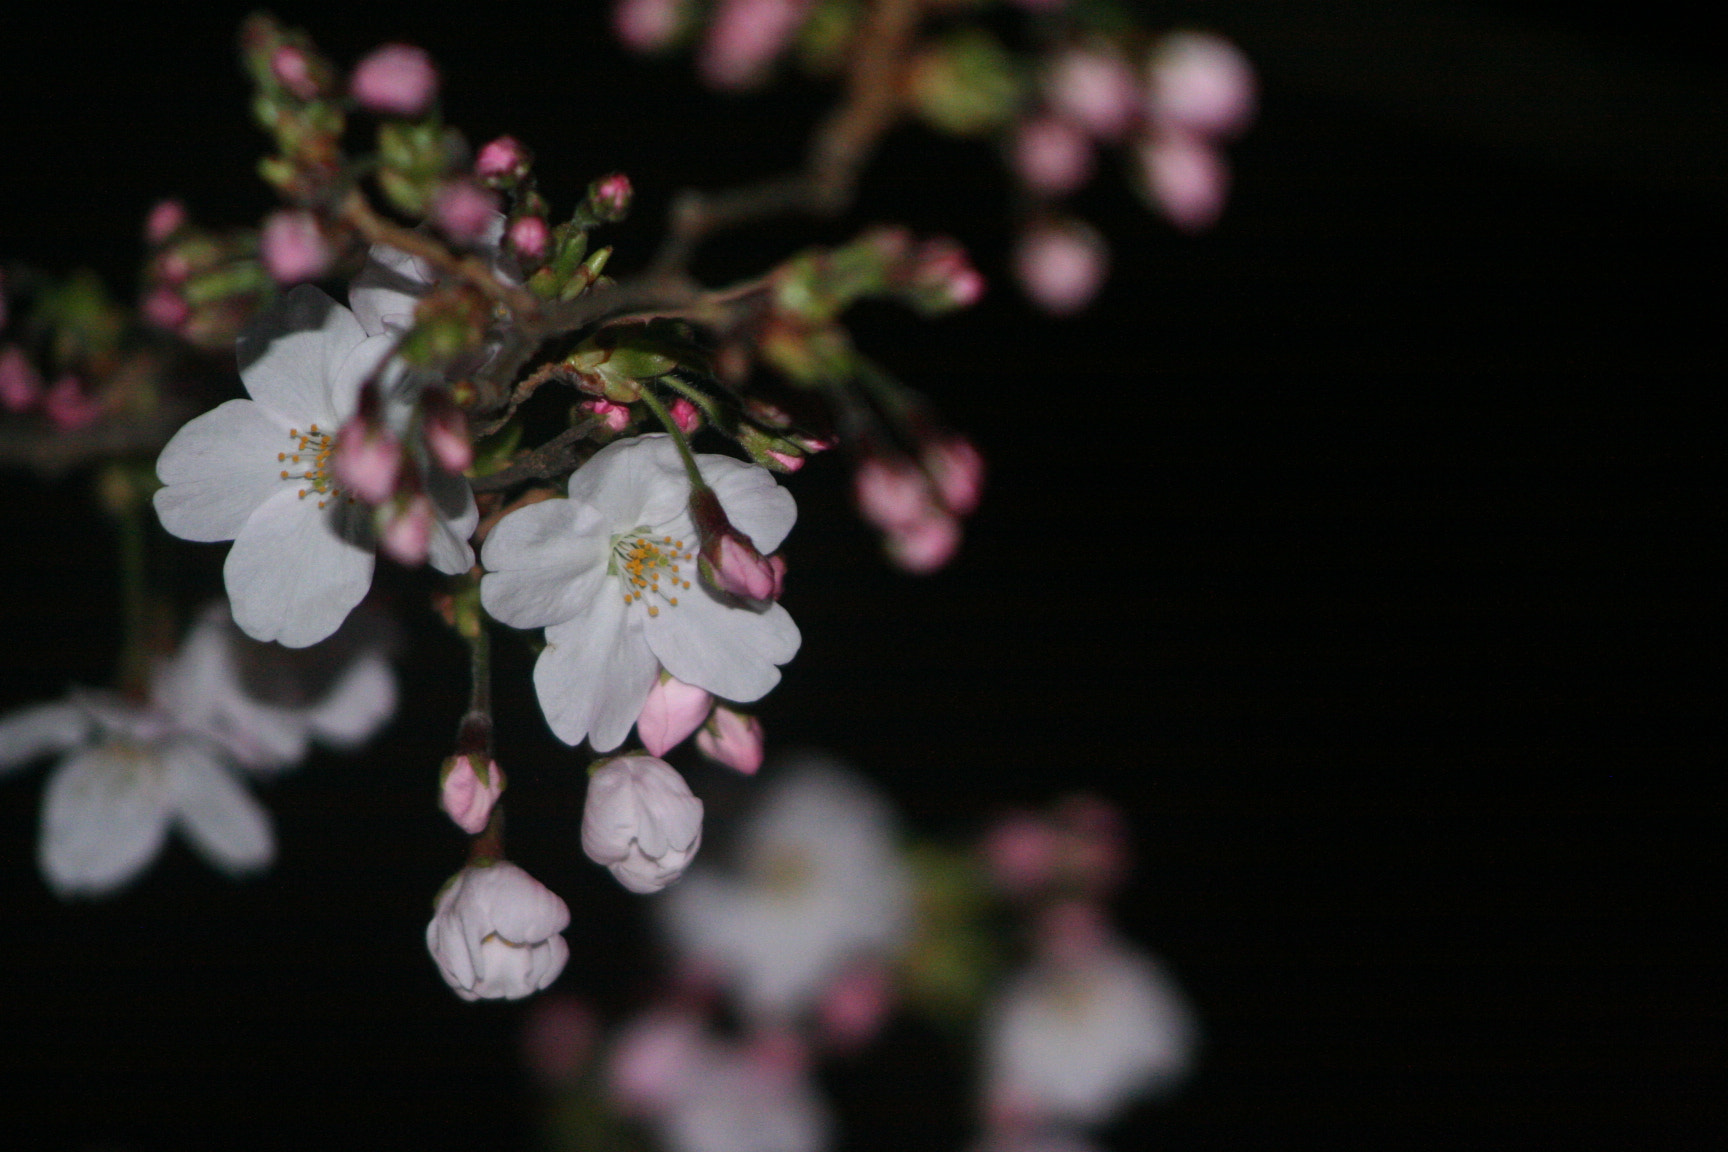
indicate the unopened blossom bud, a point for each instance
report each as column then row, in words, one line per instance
column 293, row 70
column 503, row 161
column 1199, row 84
column 293, row 247
column 165, row 308
column 166, row 218
column 732, row 738
column 943, row 277
column 1061, row 265
column 464, row 211
column 530, row 238
column 1052, row 155
column 745, row 36
column 609, row 197
column 446, row 429
column 685, row 415
column 1096, row 90
column 397, row 79
column 958, row 472
column 925, row 546
column 69, row 406
column 891, row 493
column 1187, row 178
column 469, row 786
column 495, row 933
column 672, row 711
column 407, row 533
column 367, row 459
column 641, row 822
column 728, row 560
column 20, row 383
column 614, row 416
column 647, row 25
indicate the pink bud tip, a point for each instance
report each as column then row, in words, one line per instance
column 166, row 308
column 467, row 798
column 647, row 25
column 447, row 437
column 367, row 460
column 503, row 159
column 69, row 406
column 788, row 461
column 611, row 196
column 958, row 470
column 20, row 384
column 925, row 546
column 464, row 210
column 672, row 711
column 1052, row 156
column 409, row 532
column 945, row 271
column 1061, row 265
column 166, row 218
column 293, row 247
column 686, row 415
column 732, row 738
column 397, row 79
column 741, row 570
column 614, row 416
column 530, row 238
column 294, row 71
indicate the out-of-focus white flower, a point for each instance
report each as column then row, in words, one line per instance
column 1061, row 264
column 734, row 1100
column 653, row 1060
column 259, row 472
column 1075, row 1041
column 822, row 888
column 641, row 822
column 610, row 574
column 495, row 933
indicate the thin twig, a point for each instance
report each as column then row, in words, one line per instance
column 553, row 458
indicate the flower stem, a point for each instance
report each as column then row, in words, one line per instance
column 677, row 434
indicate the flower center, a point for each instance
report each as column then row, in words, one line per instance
column 309, row 460
column 641, row 561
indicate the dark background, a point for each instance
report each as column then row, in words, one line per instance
column 1372, row 570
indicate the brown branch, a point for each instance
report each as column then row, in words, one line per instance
column 375, row 229
column 52, row 453
column 553, row 458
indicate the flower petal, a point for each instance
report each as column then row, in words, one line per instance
column 104, row 816
column 360, row 703
column 457, row 517
column 293, row 350
column 387, row 289
column 40, row 730
column 221, row 819
column 290, row 577
column 218, row 468
column 637, row 482
column 545, row 564
column 754, row 502
column 729, row 650
column 594, row 674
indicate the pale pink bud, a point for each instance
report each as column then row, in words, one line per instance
column 530, row 237
column 20, row 383
column 732, row 738
column 294, row 71
column 641, row 822
column 647, row 25
column 367, row 460
column 1200, row 84
column 610, row 196
column 925, row 546
column 469, row 790
column 1061, row 265
column 745, row 36
column 464, row 210
column 672, row 711
column 408, row 533
column 166, row 218
column 397, row 79
column 854, row 1006
column 293, row 247
column 446, row 430
column 503, row 159
column 166, row 308
column 958, row 471
column 495, row 933
column 1021, row 852
column 1187, row 178
column 1052, row 156
column 69, row 406
column 614, row 416
column 733, row 565
column 559, row 1038
column 652, row 1060
column 685, row 415
column 891, row 493
column 1096, row 90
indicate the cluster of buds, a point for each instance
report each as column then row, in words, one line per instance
column 372, row 462
column 200, row 285
column 674, row 710
column 72, row 333
column 918, row 504
column 565, row 267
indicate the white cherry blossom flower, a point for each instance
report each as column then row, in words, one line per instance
column 610, row 573
column 641, row 822
column 495, row 934
column 258, row 472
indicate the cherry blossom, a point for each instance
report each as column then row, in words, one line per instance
column 495, row 934
column 641, row 822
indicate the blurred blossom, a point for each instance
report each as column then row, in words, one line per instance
column 739, row 1101
column 495, row 933
column 821, row 887
column 1051, row 155
column 1187, row 178
column 647, row 25
column 641, row 822
column 504, row 159
column 855, row 1005
column 20, row 384
column 1020, row 851
column 1096, row 90
column 464, row 211
column 745, row 36
column 397, row 79
column 293, row 247
column 166, row 218
column 1061, row 265
column 651, row 1062
column 1200, row 84
column 166, row 308
column 69, row 406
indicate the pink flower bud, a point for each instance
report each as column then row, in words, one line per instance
column 293, row 71
column 559, row 1038
column 166, row 308
column 1061, row 265
column 503, row 160
column 293, row 247
column 1052, row 156
column 854, row 1006
column 408, row 533
column 20, row 383
column 672, row 711
column 446, row 429
column 1187, row 179
column 925, row 546
column 166, row 218
column 958, row 471
column 745, row 36
column 614, row 416
column 732, row 738
column 1096, row 90
column 647, row 25
column 69, row 406
column 685, row 415
column 641, row 822
column 610, row 196
column 464, row 210
column 397, row 79
column 944, row 274
column 1021, row 852
column 1201, row 85
column 530, row 238
column 469, row 790
column 891, row 493
column 732, row 564
column 789, row 462
column 368, row 460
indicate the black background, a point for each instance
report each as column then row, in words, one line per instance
column 1364, row 550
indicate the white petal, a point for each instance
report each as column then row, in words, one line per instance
column 594, row 674
column 457, row 517
column 755, row 504
column 290, row 577
column 41, row 730
column 385, row 293
column 729, row 650
column 638, row 482
column 218, row 468
column 293, row 350
column 104, row 816
column 221, row 819
column 546, row 564
column 359, row 363
column 360, row 703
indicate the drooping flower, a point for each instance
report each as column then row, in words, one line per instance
column 495, row 933
column 821, row 889
column 259, row 472
column 610, row 573
column 641, row 822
